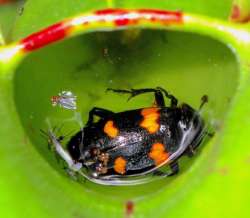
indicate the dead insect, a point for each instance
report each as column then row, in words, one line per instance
column 124, row 148
column 65, row 99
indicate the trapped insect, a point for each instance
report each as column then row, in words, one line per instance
column 65, row 99
column 123, row 148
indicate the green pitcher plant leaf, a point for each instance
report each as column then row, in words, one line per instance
column 9, row 13
column 87, row 48
column 33, row 19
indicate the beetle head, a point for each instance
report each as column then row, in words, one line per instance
column 192, row 125
column 74, row 145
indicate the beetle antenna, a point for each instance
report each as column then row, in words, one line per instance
column 44, row 134
column 204, row 100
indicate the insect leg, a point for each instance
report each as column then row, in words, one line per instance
column 160, row 173
column 174, row 166
column 100, row 112
column 190, row 151
column 72, row 165
column 173, row 100
column 174, row 170
column 159, row 99
column 204, row 99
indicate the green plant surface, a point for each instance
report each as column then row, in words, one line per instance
column 33, row 18
column 79, row 74
column 8, row 14
column 190, row 62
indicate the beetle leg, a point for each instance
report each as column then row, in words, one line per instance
column 133, row 92
column 174, row 166
column 160, row 173
column 204, row 99
column 174, row 170
column 100, row 112
column 209, row 134
column 159, row 99
column 190, row 152
column 72, row 165
column 173, row 100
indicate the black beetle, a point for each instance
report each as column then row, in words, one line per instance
column 121, row 148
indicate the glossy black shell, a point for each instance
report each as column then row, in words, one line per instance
column 180, row 129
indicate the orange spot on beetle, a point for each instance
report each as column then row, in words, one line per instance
column 150, row 119
column 158, row 153
column 120, row 165
column 110, row 129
